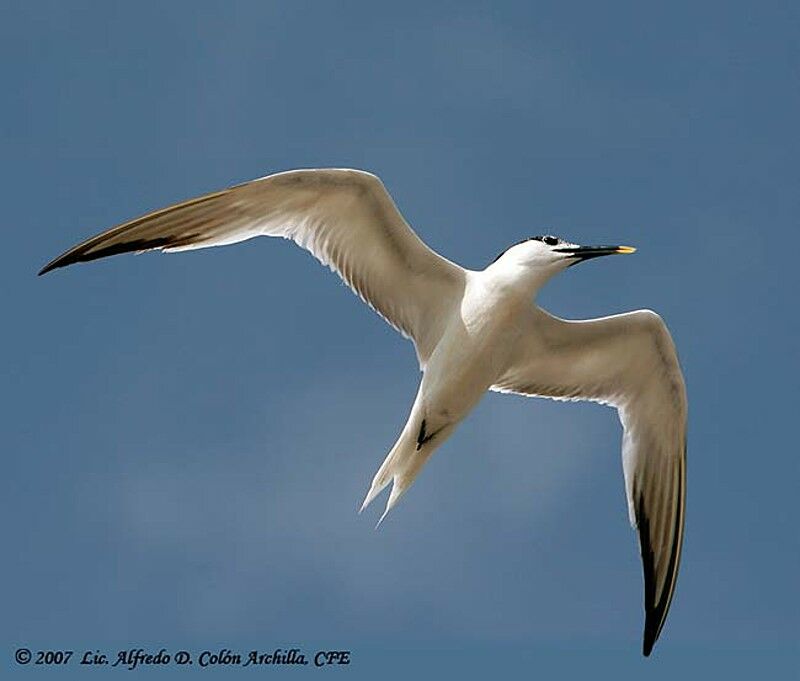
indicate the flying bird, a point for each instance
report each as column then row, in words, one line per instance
column 473, row 331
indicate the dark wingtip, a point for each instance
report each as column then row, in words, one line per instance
column 62, row 260
column 49, row 267
column 652, row 616
column 90, row 250
column 650, row 636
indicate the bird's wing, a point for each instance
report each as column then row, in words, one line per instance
column 628, row 361
column 345, row 218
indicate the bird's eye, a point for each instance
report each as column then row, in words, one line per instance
column 550, row 240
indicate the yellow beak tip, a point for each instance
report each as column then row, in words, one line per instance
column 626, row 249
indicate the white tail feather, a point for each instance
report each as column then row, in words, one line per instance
column 402, row 465
column 395, row 469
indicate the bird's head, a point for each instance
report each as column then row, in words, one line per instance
column 545, row 256
column 552, row 253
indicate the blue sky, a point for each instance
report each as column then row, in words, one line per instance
column 187, row 438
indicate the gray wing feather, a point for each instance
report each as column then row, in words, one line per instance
column 627, row 361
column 345, row 218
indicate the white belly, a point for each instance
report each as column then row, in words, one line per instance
column 473, row 352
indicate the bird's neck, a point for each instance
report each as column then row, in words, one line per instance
column 515, row 279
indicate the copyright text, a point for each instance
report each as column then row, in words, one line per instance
column 136, row 658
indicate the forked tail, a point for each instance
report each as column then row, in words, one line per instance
column 405, row 460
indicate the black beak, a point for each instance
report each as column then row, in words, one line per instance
column 581, row 253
